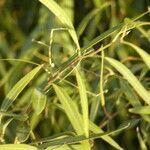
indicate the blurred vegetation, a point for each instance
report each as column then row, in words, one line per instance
column 107, row 80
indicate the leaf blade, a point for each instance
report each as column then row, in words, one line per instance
column 128, row 75
column 17, row 146
column 143, row 110
column 62, row 16
column 18, row 87
column 84, row 100
column 70, row 109
column 38, row 101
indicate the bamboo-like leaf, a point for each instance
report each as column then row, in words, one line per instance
column 84, row 100
column 129, row 93
column 70, row 109
column 66, row 65
column 144, row 55
column 18, row 87
column 143, row 110
column 62, row 16
column 88, row 17
column 128, row 75
column 17, row 147
column 96, row 129
column 72, row 113
column 142, row 142
column 38, row 101
column 80, row 138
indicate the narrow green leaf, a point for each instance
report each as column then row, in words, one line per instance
column 70, row 109
column 66, row 65
column 84, row 100
column 129, row 93
column 17, row 147
column 72, row 113
column 128, row 75
column 15, row 116
column 3, row 128
column 88, row 17
column 38, row 101
column 80, row 138
column 143, row 110
column 144, row 55
column 142, row 141
column 96, row 129
column 65, row 147
column 62, row 16
column 18, row 87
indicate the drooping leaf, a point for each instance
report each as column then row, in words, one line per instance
column 144, row 55
column 62, row 16
column 129, row 76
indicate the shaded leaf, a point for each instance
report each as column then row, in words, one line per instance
column 129, row 93
column 22, row 132
column 88, row 17
column 38, row 101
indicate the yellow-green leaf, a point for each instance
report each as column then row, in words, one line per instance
column 18, row 87
column 17, row 147
column 143, row 110
column 83, row 99
column 130, row 77
column 70, row 109
column 62, row 16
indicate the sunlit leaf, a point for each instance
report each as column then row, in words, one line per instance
column 128, row 75
column 17, row 147
column 76, row 139
column 72, row 113
column 144, row 55
column 62, row 16
column 83, row 99
column 18, row 87
column 140, row 110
